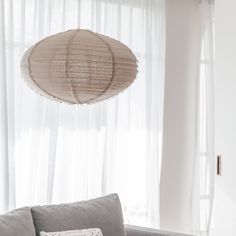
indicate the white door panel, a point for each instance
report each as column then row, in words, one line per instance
column 225, row 139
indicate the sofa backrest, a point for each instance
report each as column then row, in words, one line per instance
column 104, row 213
column 17, row 223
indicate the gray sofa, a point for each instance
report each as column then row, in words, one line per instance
column 104, row 213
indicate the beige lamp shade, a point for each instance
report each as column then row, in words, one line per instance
column 79, row 66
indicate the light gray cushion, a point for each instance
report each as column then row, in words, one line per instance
column 17, row 223
column 104, row 213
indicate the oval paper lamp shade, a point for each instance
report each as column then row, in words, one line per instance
column 79, row 66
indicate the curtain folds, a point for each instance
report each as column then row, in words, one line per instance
column 204, row 166
column 51, row 152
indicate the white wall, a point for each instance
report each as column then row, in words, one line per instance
column 182, row 51
column 225, row 84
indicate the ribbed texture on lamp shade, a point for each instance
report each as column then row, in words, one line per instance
column 79, row 66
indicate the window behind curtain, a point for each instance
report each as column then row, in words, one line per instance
column 205, row 167
column 60, row 153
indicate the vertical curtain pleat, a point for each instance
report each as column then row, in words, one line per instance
column 204, row 165
column 79, row 14
column 11, row 103
column 4, row 149
column 22, row 22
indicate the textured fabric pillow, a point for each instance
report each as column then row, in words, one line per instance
column 18, row 222
column 104, row 213
column 82, row 232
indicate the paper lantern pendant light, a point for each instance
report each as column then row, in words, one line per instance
column 79, row 66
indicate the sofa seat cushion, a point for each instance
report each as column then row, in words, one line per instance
column 104, row 213
column 18, row 222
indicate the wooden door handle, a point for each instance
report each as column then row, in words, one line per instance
column 219, row 165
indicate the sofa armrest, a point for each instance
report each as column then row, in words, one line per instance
column 142, row 231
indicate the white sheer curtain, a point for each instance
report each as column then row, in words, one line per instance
column 203, row 179
column 50, row 152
